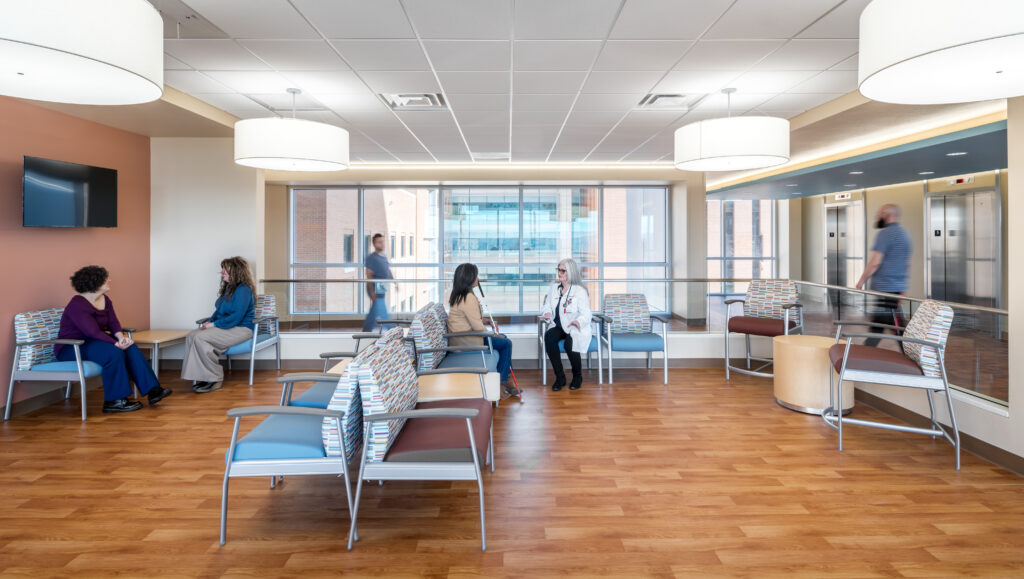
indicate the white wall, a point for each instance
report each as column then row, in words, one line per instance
column 204, row 207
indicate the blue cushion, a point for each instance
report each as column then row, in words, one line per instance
column 470, row 360
column 246, row 346
column 317, row 396
column 592, row 348
column 282, row 436
column 637, row 343
column 90, row 369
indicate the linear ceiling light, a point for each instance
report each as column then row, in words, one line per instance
column 284, row 144
column 732, row 143
column 941, row 51
column 100, row 52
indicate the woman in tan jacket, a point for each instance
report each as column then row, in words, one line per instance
column 466, row 315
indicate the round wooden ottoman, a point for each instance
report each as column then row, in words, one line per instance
column 802, row 367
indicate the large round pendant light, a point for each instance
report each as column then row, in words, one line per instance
column 93, row 52
column 941, row 51
column 732, row 143
column 291, row 144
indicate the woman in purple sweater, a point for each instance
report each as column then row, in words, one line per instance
column 90, row 316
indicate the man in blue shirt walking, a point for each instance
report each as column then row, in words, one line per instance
column 888, row 267
column 377, row 267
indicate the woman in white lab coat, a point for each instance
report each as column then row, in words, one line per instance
column 567, row 306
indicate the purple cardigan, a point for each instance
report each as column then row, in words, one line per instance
column 81, row 321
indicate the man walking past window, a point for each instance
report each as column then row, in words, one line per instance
column 377, row 267
column 888, row 267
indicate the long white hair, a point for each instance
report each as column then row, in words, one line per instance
column 572, row 273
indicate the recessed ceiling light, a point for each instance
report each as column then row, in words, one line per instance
column 792, row 184
column 956, row 154
column 856, row 172
column 850, row 185
column 926, row 173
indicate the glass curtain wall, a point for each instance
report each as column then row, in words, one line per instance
column 741, row 242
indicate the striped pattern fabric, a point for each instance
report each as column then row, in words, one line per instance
column 428, row 332
column 36, row 325
column 442, row 314
column 346, row 399
column 266, row 305
column 628, row 312
column 931, row 322
column 387, row 383
column 765, row 298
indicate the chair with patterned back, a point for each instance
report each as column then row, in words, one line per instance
column 767, row 308
column 920, row 363
column 35, row 334
column 428, row 338
column 628, row 327
column 265, row 335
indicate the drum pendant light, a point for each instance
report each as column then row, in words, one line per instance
column 732, row 143
column 293, row 144
column 941, row 51
column 93, row 52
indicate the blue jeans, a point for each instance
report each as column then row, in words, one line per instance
column 378, row 311
column 118, row 365
column 503, row 346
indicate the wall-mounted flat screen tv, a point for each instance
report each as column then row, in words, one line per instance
column 61, row 194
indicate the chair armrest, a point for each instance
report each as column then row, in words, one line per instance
column 397, row 322
column 293, row 410
column 64, row 341
column 734, row 301
column 600, row 317
column 483, row 334
column 307, row 377
column 871, row 324
column 437, row 371
column 660, row 318
column 791, row 306
column 456, row 349
column 935, row 345
column 202, row 320
column 421, row 413
column 366, row 336
column 129, row 330
column 329, row 355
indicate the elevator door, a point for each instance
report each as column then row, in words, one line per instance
column 963, row 249
column 844, row 246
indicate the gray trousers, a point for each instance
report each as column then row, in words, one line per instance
column 203, row 349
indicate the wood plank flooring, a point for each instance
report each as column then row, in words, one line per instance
column 700, row 478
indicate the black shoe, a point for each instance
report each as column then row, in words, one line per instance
column 157, row 394
column 577, row 382
column 559, row 383
column 209, row 387
column 122, row 405
column 198, row 385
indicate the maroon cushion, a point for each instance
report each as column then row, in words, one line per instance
column 758, row 326
column 873, row 360
column 443, row 439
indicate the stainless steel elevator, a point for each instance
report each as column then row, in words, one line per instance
column 963, row 252
column 844, row 245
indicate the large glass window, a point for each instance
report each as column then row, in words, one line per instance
column 741, row 242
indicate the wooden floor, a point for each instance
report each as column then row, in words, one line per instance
column 700, row 478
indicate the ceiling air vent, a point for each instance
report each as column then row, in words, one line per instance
column 491, row 156
column 415, row 101
column 665, row 102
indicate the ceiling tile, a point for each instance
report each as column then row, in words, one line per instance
column 727, row 54
column 632, row 81
column 377, row 157
column 753, row 19
column 848, row 64
column 382, row 118
column 382, row 54
column 809, row 55
column 475, row 82
column 641, row 54
column 489, row 55
column 213, row 54
column 667, row 19
column 251, row 82
column 540, row 117
column 565, row 19
column 352, row 102
column 649, row 120
column 191, row 81
column 567, row 156
column 696, row 81
column 296, row 54
column 554, row 54
column 490, row 119
column 234, row 103
column 423, row 157
column 171, row 63
column 355, row 19
column 255, row 18
column 182, row 21
column 596, row 120
column 762, row 81
column 542, row 102
column 452, row 156
column 741, row 102
column 384, row 81
column 843, row 22
column 796, row 102
column 830, row 81
column 541, row 82
column 477, row 102
column 326, row 117
column 435, row 119
column 282, row 102
column 461, row 19
column 608, row 102
column 334, row 81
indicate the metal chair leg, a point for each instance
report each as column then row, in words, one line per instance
column 67, row 390
column 727, row 360
column 747, row 336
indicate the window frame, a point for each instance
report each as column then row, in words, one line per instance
column 722, row 258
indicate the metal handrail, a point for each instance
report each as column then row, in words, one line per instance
column 959, row 306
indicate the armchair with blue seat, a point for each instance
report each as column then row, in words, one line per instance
column 266, row 334
column 628, row 327
column 595, row 346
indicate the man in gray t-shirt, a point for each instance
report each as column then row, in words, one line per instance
column 888, row 267
column 377, row 267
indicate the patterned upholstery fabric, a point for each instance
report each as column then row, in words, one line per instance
column 428, row 332
column 387, row 383
column 931, row 322
column 628, row 312
column 442, row 314
column 266, row 305
column 37, row 325
column 765, row 298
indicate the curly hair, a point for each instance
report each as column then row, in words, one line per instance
column 89, row 279
column 238, row 273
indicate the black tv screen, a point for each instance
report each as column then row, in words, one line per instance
column 60, row 194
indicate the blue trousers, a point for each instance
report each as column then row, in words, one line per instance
column 118, row 366
column 503, row 346
column 378, row 311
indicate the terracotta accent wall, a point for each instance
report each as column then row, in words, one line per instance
column 37, row 262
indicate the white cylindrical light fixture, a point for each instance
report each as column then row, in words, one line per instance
column 732, row 144
column 95, row 52
column 941, row 51
column 291, row 145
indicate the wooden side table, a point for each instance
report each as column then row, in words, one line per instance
column 802, row 369
column 154, row 339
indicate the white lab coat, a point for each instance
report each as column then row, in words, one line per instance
column 575, row 306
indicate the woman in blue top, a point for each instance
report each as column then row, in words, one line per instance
column 230, row 324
